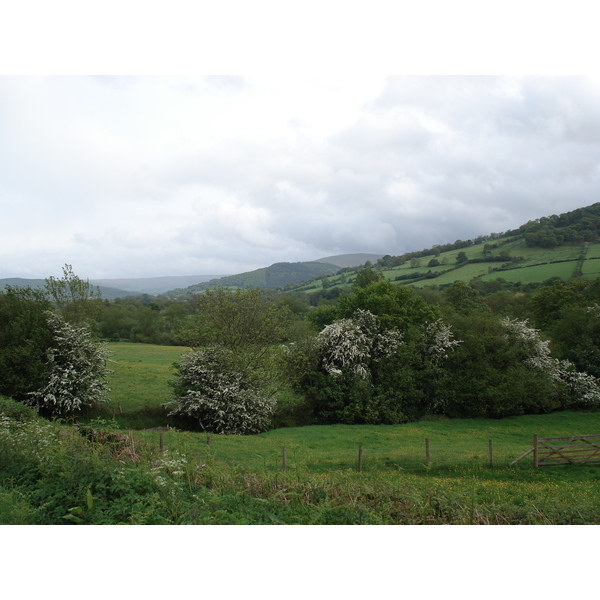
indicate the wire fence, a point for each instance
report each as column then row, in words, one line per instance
column 275, row 455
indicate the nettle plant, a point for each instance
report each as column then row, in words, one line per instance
column 212, row 390
column 583, row 386
column 77, row 367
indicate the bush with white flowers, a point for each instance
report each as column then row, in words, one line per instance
column 583, row 386
column 349, row 345
column 212, row 391
column 77, row 367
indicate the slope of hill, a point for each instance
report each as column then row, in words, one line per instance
column 565, row 246
column 273, row 277
column 350, row 260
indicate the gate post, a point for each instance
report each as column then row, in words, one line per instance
column 535, row 450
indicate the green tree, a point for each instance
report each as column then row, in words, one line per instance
column 365, row 277
column 548, row 302
column 77, row 300
column 395, row 305
column 488, row 376
column 25, row 336
column 245, row 321
column 461, row 258
column 464, row 299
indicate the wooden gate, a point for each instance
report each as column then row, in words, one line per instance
column 574, row 450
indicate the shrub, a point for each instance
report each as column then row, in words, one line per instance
column 16, row 410
column 25, row 337
column 76, row 371
column 357, row 371
column 210, row 388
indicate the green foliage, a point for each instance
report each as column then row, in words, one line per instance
column 25, row 336
column 367, row 276
column 16, row 410
column 211, row 390
column 395, row 306
column 548, row 302
column 464, row 299
column 575, row 335
column 76, row 300
column 487, row 375
column 245, row 322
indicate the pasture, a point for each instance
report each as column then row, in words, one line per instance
column 325, row 458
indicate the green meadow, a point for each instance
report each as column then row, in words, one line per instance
column 139, row 382
column 461, row 483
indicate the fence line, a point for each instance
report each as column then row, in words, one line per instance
column 583, row 449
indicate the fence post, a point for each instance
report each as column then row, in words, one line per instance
column 491, row 448
column 161, row 442
column 284, row 459
column 208, row 441
column 535, row 450
column 427, row 452
column 360, row 452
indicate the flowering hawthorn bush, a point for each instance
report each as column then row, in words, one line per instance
column 437, row 341
column 348, row 345
column 76, row 370
column 583, row 386
column 210, row 389
column 357, row 371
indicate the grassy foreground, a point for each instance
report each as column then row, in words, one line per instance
column 106, row 473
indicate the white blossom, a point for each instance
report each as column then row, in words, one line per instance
column 584, row 386
column 349, row 344
column 437, row 340
column 77, row 367
column 218, row 396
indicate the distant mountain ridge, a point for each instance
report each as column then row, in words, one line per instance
column 109, row 293
column 350, row 260
column 154, row 285
column 278, row 275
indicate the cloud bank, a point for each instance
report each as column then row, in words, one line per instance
column 150, row 176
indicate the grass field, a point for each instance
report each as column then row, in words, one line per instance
column 393, row 456
column 139, row 382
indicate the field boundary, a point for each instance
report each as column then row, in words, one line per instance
column 575, row 450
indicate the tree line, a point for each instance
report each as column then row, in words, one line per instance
column 379, row 353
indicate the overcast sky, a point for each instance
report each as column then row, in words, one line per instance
column 148, row 176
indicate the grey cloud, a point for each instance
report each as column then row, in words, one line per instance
column 155, row 176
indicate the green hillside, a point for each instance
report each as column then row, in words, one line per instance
column 565, row 246
column 276, row 276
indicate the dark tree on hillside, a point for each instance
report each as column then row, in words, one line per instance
column 367, row 276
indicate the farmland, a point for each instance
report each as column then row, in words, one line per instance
column 324, row 459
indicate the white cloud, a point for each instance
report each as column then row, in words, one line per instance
column 143, row 176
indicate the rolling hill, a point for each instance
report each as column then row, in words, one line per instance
column 565, row 247
column 276, row 276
